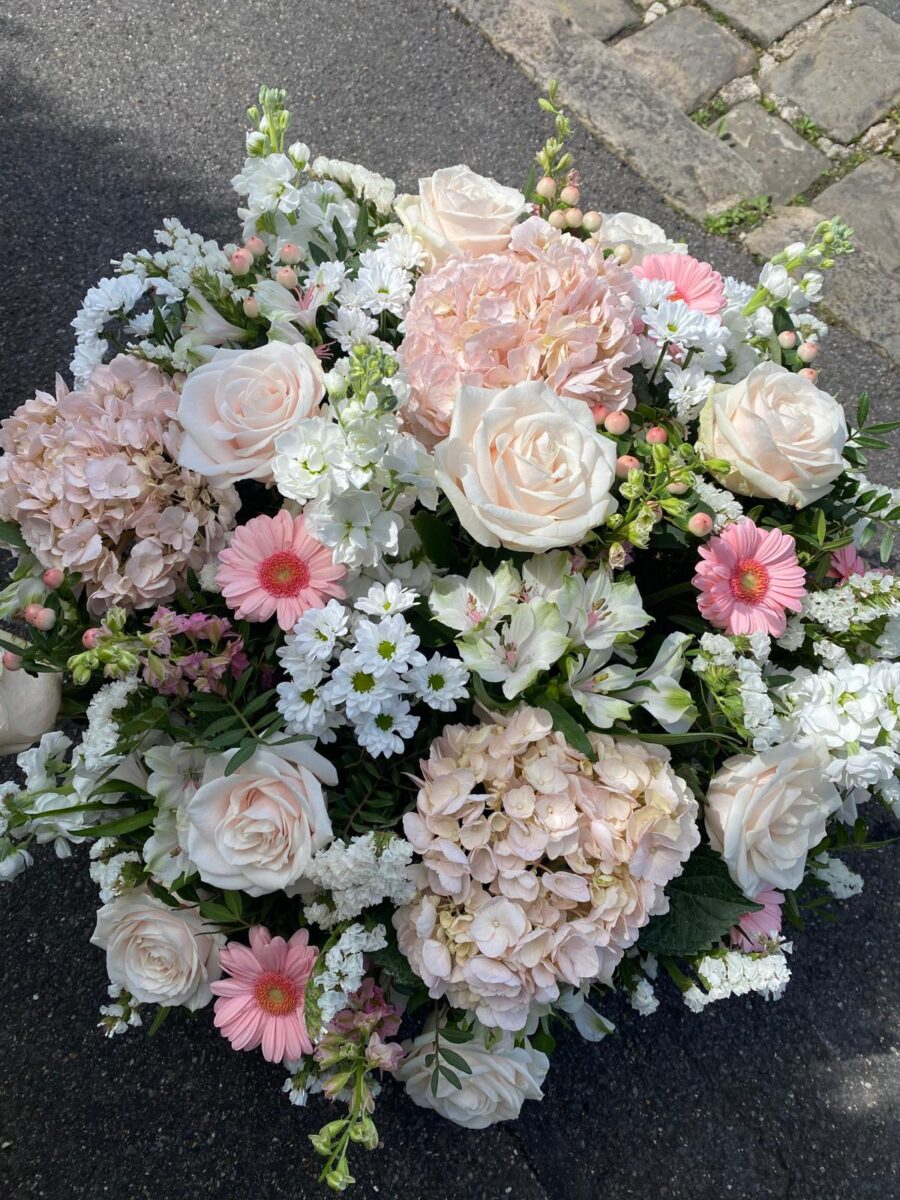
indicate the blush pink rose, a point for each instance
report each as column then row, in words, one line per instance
column 234, row 407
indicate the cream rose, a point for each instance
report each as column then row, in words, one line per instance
column 525, row 468
column 783, row 436
column 641, row 236
column 28, row 708
column 257, row 829
column 459, row 212
column 234, row 407
column 765, row 812
column 501, row 1079
column 161, row 955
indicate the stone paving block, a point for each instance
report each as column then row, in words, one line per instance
column 788, row 223
column 687, row 55
column 869, row 200
column 787, row 163
column 601, row 18
column 687, row 164
column 766, row 20
column 846, row 75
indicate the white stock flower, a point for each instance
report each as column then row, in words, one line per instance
column 499, row 1081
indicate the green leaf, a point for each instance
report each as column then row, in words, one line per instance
column 781, row 321
column 11, row 536
column 436, row 538
column 161, row 1013
column 704, row 903
column 450, row 1077
column 245, row 751
column 862, row 410
column 456, row 1060
column 123, row 825
column 572, row 731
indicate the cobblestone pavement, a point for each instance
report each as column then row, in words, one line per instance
column 794, row 101
column 116, row 115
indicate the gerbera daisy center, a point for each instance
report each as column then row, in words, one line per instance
column 276, row 993
column 283, row 574
column 749, row 581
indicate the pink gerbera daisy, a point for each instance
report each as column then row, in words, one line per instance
column 696, row 283
column 747, row 577
column 846, row 562
column 262, row 1003
column 273, row 565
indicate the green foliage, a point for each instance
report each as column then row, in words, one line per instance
column 703, row 905
column 742, row 216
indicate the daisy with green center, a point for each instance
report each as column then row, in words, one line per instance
column 440, row 682
column 382, row 733
column 358, row 689
column 389, row 645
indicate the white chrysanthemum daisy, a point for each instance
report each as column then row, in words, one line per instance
column 359, row 689
column 389, row 645
column 440, row 682
column 385, row 599
column 382, row 733
column 314, row 637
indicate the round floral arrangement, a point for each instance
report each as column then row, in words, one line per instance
column 465, row 607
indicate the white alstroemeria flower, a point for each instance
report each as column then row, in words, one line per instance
column 596, row 685
column 551, row 577
column 607, row 612
column 658, row 688
column 287, row 315
column 468, row 604
column 531, row 641
column 204, row 326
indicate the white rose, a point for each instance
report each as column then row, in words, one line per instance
column 161, row 955
column 525, row 468
column 501, row 1079
column 765, row 812
column 28, row 708
column 257, row 829
column 783, row 436
column 234, row 407
column 643, row 237
column 459, row 212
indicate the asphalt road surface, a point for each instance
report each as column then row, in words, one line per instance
column 113, row 117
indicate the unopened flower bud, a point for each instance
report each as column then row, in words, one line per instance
column 574, row 218
column 90, row 638
column 616, row 423
column 546, row 187
column 256, row 142
column 657, row 435
column 251, row 307
column 255, row 245
column 787, row 339
column 53, row 578
column 593, row 221
column 558, row 219
column 290, row 253
column 807, row 352
column 11, row 662
column 287, row 277
column 626, row 463
column 700, row 524
column 570, row 195
column 241, row 261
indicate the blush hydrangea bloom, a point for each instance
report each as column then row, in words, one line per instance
column 262, row 1004
column 549, row 307
column 747, row 577
column 92, row 479
column 539, row 869
column 275, row 567
column 695, row 282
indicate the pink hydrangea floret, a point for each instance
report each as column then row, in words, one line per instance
column 549, row 307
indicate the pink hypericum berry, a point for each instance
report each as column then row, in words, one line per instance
column 593, row 221
column 44, row 619
column 546, row 187
column 30, row 612
column 90, row 638
column 290, row 253
column 809, row 373
column 676, row 489
column 11, row 662
column 53, row 578
column 558, row 219
column 287, row 277
column 241, row 261
column 700, row 524
column 626, row 463
column 570, row 195
column 657, row 435
column 251, row 307
column 574, row 217
column 599, row 412
column 617, row 423
column 255, row 245
column 787, row 339
column 807, row 352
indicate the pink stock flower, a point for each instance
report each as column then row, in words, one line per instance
column 696, row 283
column 549, row 307
column 846, row 562
column 274, row 566
column 262, row 1004
column 747, row 577
column 756, row 928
